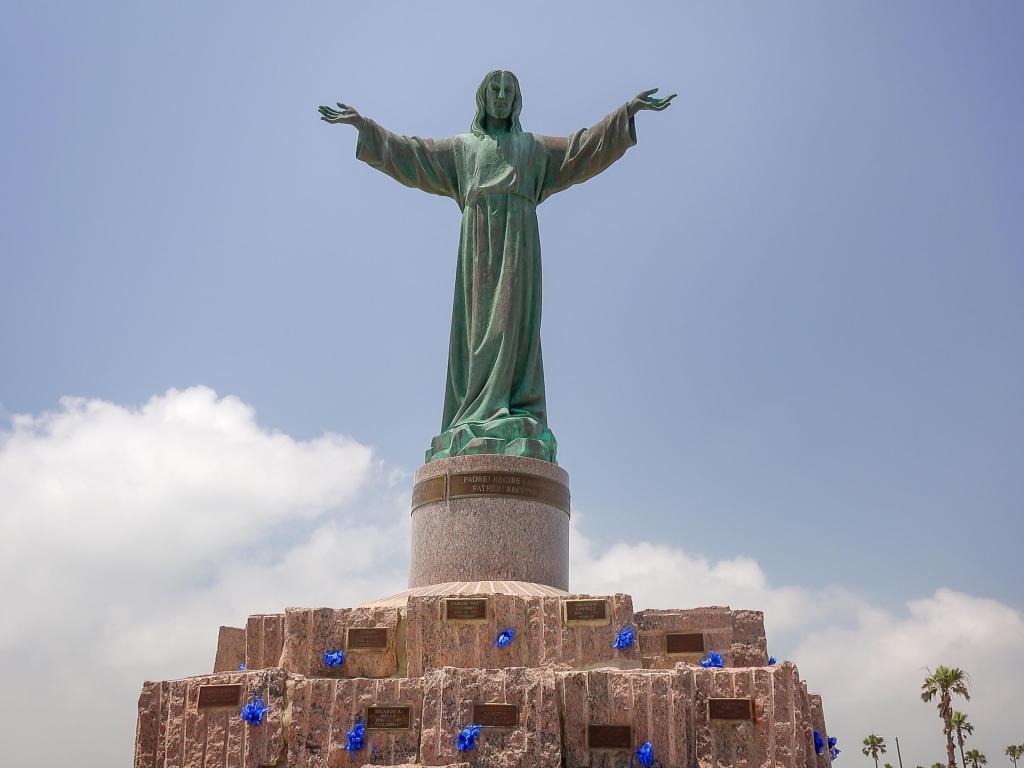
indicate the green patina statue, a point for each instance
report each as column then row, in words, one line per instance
column 498, row 174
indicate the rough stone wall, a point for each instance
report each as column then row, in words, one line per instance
column 309, row 633
column 542, row 638
column 448, row 696
column 264, row 639
column 776, row 737
column 738, row 635
column 172, row 732
column 323, row 711
column 818, row 723
column 230, row 649
column 556, row 644
column 655, row 704
column 431, row 642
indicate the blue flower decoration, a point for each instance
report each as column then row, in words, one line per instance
column 254, row 712
column 625, row 638
column 819, row 743
column 834, row 753
column 832, row 742
column 466, row 740
column 356, row 737
column 505, row 638
column 713, row 659
column 242, row 667
column 645, row 755
column 771, row 661
column 334, row 659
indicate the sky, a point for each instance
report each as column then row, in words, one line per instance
column 782, row 335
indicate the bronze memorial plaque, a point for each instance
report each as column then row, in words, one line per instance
column 366, row 639
column 429, row 491
column 463, row 484
column 211, row 696
column 496, row 715
column 465, row 609
column 585, row 612
column 731, row 709
column 388, row 718
column 680, row 643
column 609, row 737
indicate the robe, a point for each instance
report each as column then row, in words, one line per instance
column 494, row 397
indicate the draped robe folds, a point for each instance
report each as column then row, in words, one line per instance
column 494, row 398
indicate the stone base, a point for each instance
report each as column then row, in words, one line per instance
column 485, row 536
column 559, row 677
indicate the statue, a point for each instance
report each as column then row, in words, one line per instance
column 498, row 174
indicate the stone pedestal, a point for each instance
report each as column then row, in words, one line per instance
column 490, row 518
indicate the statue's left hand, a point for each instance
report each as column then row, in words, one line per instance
column 646, row 100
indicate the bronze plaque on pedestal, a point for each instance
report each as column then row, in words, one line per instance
column 429, row 491
column 211, row 696
column 517, row 484
column 731, row 709
column 585, row 612
column 472, row 609
column 496, row 715
column 366, row 639
column 609, row 737
column 388, row 718
column 684, row 643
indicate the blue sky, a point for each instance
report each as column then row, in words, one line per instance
column 786, row 326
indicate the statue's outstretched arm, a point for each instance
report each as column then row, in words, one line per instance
column 427, row 164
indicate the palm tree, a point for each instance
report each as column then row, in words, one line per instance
column 944, row 682
column 1015, row 752
column 873, row 747
column 961, row 725
column 976, row 758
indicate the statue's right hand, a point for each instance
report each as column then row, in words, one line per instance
column 346, row 115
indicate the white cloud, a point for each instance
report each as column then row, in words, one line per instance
column 127, row 536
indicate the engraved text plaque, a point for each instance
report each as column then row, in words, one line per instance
column 586, row 611
column 496, row 715
column 465, row 609
column 366, row 639
column 388, row 718
column 219, row 696
column 731, row 709
column 678, row 643
column 609, row 737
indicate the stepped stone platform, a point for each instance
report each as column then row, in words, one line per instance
column 422, row 665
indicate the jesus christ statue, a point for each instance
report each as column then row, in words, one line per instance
column 498, row 174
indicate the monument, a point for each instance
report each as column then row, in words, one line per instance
column 487, row 659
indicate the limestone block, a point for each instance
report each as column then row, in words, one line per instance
column 776, row 737
column 656, row 704
column 264, row 638
column 738, row 635
column 230, row 649
column 432, row 642
column 556, row 643
column 309, row 633
column 172, row 732
column 324, row 710
column 448, row 698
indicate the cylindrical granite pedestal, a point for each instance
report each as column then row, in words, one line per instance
column 490, row 518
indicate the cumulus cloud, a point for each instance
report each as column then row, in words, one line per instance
column 128, row 535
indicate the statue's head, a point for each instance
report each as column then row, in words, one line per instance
column 498, row 98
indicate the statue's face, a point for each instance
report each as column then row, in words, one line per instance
column 501, row 94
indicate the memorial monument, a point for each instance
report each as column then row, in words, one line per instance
column 487, row 659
